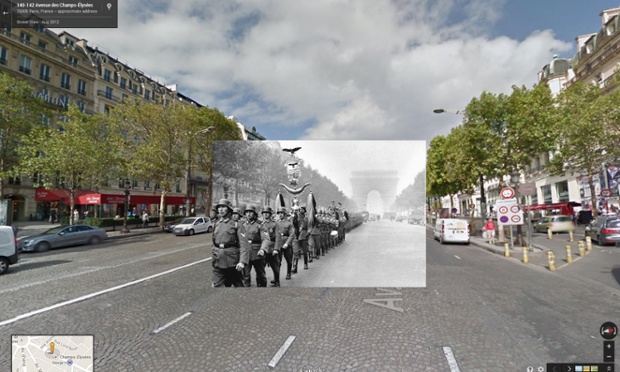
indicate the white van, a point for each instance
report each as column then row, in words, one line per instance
column 452, row 230
column 8, row 248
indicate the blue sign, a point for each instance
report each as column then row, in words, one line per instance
column 503, row 219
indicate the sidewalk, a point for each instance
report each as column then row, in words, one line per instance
column 541, row 245
column 29, row 228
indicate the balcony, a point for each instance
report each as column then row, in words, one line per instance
column 106, row 95
column 25, row 70
column 45, row 78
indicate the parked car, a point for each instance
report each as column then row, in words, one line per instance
column 9, row 254
column 604, row 229
column 62, row 236
column 193, row 225
column 171, row 225
column 452, row 230
column 557, row 224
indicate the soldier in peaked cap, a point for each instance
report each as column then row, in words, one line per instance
column 254, row 240
column 230, row 255
column 300, row 243
column 272, row 257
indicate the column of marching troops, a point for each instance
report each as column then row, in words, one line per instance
column 242, row 241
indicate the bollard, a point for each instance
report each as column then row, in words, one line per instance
column 588, row 243
column 549, row 234
column 506, row 250
column 582, row 250
column 551, row 260
column 570, row 236
column 569, row 257
column 525, row 258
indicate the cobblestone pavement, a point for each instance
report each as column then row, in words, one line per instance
column 492, row 314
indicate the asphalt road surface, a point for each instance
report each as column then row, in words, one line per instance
column 148, row 302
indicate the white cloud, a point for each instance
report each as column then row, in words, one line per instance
column 358, row 69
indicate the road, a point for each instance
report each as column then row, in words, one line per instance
column 149, row 303
column 376, row 254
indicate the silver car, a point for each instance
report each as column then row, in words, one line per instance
column 193, row 225
column 63, row 236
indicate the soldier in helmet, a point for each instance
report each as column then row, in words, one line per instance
column 254, row 239
column 285, row 233
column 272, row 257
column 300, row 243
column 230, row 253
column 236, row 215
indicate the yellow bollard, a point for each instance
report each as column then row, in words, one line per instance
column 506, row 250
column 570, row 236
column 588, row 243
column 569, row 257
column 525, row 258
column 582, row 250
column 551, row 260
column 549, row 234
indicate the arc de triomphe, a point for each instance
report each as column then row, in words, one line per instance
column 384, row 182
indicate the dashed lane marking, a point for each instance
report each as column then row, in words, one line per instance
column 276, row 358
column 95, row 294
column 454, row 367
column 172, row 322
column 457, row 257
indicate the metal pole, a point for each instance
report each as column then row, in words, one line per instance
column 512, row 238
column 530, row 227
column 187, row 183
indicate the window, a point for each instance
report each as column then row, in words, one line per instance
column 157, row 186
column 42, row 44
column 65, row 81
column 63, row 101
column 82, row 87
column 147, row 185
column 24, row 64
column 134, row 88
column 39, row 28
column 37, row 179
column 45, row 121
column 123, row 82
column 73, row 60
column 44, row 74
column 106, row 74
column 25, row 38
column 3, row 52
column 108, row 92
column 81, row 105
column 178, row 186
column 15, row 180
column 134, row 184
column 69, row 42
column 147, row 94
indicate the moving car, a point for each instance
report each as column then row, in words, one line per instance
column 193, row 225
column 8, row 248
column 62, row 236
column 604, row 229
column 557, row 224
column 452, row 230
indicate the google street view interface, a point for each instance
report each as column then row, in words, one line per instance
column 397, row 185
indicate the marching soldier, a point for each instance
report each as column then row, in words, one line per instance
column 300, row 243
column 236, row 215
column 254, row 239
column 315, row 239
column 230, row 254
column 272, row 258
column 285, row 233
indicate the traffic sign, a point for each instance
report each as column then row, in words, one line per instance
column 509, row 212
column 605, row 193
column 507, row 193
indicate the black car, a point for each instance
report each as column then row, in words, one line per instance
column 170, row 225
column 604, row 229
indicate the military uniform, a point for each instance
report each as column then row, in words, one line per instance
column 315, row 239
column 272, row 258
column 300, row 243
column 285, row 233
column 254, row 239
column 228, row 250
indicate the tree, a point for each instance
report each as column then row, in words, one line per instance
column 588, row 132
column 76, row 155
column 20, row 112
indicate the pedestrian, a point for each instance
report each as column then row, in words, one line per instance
column 254, row 239
column 76, row 216
column 230, row 248
column 145, row 219
column 489, row 229
column 285, row 232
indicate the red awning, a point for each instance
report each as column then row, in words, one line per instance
column 83, row 197
column 43, row 194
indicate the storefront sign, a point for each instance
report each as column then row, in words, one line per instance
column 51, row 100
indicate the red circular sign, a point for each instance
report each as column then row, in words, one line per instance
column 606, row 193
column 507, row 193
column 515, row 209
column 503, row 209
column 515, row 219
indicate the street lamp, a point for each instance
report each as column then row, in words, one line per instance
column 443, row 111
column 125, row 228
column 189, row 167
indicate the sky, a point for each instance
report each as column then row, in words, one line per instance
column 337, row 159
column 345, row 69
